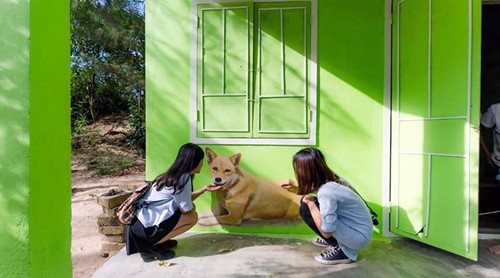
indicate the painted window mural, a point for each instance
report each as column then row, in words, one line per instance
column 255, row 76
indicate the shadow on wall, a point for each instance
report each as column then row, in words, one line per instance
column 14, row 130
column 167, row 75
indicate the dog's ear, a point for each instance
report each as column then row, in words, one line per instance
column 235, row 159
column 211, row 155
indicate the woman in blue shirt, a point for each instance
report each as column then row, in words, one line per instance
column 167, row 209
column 337, row 214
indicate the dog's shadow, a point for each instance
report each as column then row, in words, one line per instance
column 209, row 244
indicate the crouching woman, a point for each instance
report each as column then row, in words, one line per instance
column 337, row 214
column 167, row 209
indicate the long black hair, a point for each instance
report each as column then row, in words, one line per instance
column 311, row 170
column 188, row 157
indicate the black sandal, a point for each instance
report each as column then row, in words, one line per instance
column 171, row 243
column 162, row 254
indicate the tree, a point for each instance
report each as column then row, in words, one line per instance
column 107, row 62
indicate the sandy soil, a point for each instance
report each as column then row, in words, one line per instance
column 86, row 240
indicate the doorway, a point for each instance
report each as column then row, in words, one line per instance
column 489, row 176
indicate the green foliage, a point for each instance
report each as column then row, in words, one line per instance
column 107, row 63
column 136, row 120
column 87, row 140
column 106, row 163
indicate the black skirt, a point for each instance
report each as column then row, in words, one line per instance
column 141, row 239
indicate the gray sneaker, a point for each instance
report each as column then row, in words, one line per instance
column 332, row 255
column 319, row 242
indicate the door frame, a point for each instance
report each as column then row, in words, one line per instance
column 386, row 163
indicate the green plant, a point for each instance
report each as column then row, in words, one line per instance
column 137, row 136
column 106, row 163
column 79, row 124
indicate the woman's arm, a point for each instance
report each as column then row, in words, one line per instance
column 208, row 187
column 484, row 147
column 289, row 185
column 315, row 213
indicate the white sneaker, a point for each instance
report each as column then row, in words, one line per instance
column 332, row 255
column 319, row 242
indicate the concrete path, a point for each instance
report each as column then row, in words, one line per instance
column 231, row 255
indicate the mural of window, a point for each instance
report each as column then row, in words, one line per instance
column 254, row 73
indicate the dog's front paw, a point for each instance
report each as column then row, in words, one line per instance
column 208, row 221
column 229, row 220
column 205, row 214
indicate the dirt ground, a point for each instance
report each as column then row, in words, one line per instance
column 86, row 185
column 86, row 240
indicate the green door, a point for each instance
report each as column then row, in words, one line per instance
column 435, row 104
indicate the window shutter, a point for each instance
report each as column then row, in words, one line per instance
column 255, row 75
column 282, row 50
column 224, row 69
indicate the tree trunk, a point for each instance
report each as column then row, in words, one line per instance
column 91, row 87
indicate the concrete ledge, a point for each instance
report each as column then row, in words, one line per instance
column 233, row 255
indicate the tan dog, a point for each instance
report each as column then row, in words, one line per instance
column 245, row 197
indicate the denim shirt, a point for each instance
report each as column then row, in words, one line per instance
column 345, row 215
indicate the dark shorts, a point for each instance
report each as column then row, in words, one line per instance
column 141, row 239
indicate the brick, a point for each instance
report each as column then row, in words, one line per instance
column 106, row 219
column 110, row 211
column 112, row 198
column 112, row 230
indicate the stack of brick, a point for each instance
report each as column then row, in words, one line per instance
column 112, row 230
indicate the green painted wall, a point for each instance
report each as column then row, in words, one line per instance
column 350, row 99
column 35, row 190
column 14, row 139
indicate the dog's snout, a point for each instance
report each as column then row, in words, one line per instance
column 217, row 179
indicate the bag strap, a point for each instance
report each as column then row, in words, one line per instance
column 354, row 189
column 147, row 188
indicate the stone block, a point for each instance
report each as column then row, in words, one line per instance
column 110, row 211
column 112, row 230
column 106, row 219
column 113, row 198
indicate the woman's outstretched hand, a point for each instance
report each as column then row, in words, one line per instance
column 289, row 185
column 212, row 187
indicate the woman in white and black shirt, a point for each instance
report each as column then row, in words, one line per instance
column 167, row 209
